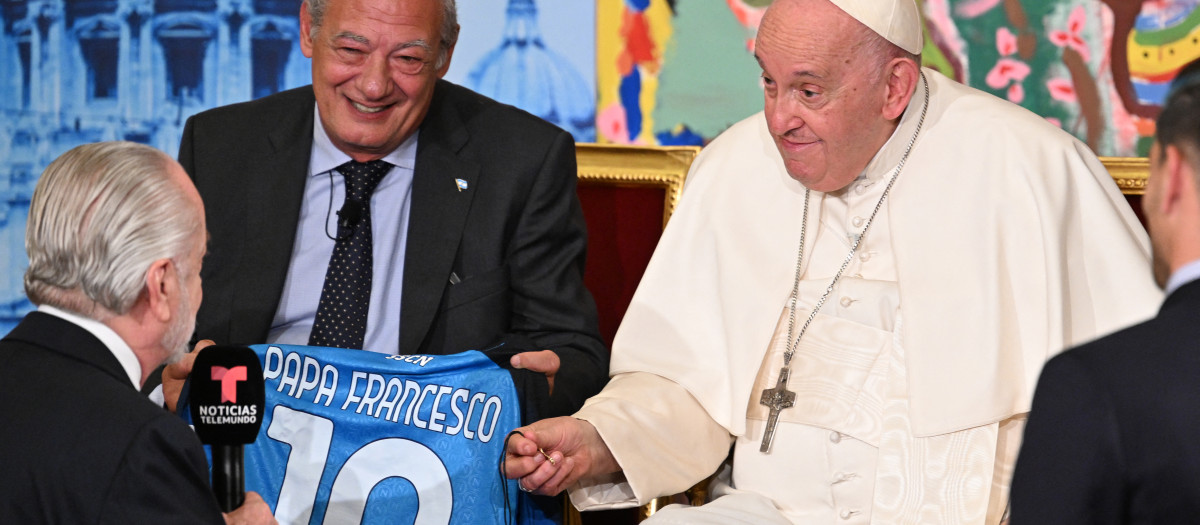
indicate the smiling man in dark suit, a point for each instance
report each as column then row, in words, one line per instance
column 1114, row 434
column 115, row 239
column 468, row 234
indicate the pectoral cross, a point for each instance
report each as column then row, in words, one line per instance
column 776, row 399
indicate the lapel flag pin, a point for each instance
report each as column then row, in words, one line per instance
column 462, row 184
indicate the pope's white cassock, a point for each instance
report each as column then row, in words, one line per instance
column 1002, row 242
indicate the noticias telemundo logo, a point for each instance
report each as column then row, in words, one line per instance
column 231, row 413
column 229, row 378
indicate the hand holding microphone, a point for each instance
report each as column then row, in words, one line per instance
column 226, row 403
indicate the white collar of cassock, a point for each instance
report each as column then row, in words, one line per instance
column 106, row 335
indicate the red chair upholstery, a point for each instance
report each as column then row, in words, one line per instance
column 628, row 194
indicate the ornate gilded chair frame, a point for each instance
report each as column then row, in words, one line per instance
column 1130, row 173
column 637, row 166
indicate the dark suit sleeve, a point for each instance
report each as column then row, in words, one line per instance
column 1070, row 467
column 163, row 478
column 185, row 149
column 551, row 307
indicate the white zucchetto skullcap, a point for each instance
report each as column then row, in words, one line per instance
column 898, row 21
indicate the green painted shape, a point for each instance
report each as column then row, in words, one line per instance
column 1170, row 34
column 979, row 37
column 709, row 79
column 757, row 3
column 932, row 57
column 1143, row 146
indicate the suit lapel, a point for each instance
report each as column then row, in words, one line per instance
column 436, row 220
column 273, row 198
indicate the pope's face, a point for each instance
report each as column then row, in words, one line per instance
column 824, row 105
column 374, row 70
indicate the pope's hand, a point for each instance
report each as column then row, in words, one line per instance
column 174, row 375
column 551, row 455
column 544, row 361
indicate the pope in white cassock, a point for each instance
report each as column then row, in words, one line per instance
column 856, row 294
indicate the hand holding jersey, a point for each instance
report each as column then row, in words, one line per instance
column 175, row 375
column 551, row 455
column 543, row 361
column 253, row 510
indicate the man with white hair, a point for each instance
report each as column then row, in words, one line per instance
column 115, row 238
column 955, row 241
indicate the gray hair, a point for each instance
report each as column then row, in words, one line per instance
column 877, row 51
column 447, row 38
column 101, row 214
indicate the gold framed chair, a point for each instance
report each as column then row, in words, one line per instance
column 1131, row 175
column 628, row 194
column 652, row 167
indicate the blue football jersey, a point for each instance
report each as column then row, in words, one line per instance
column 359, row 437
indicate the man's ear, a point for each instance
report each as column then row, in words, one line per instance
column 446, row 67
column 901, row 83
column 306, row 42
column 162, row 288
column 1177, row 179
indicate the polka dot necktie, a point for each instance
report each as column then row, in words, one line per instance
column 342, row 313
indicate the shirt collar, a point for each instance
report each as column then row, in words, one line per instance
column 119, row 348
column 1185, row 274
column 325, row 156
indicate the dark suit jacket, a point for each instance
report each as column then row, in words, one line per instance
column 515, row 237
column 1114, row 433
column 79, row 444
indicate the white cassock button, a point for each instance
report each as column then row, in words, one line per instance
column 864, row 256
column 846, row 302
column 835, row 437
column 861, row 187
column 856, row 222
column 846, row 514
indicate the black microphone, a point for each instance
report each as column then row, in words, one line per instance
column 227, row 398
column 350, row 214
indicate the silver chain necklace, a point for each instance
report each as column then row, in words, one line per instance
column 779, row 397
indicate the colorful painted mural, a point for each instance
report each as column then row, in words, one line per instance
column 674, row 72
column 678, row 72
column 1098, row 68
